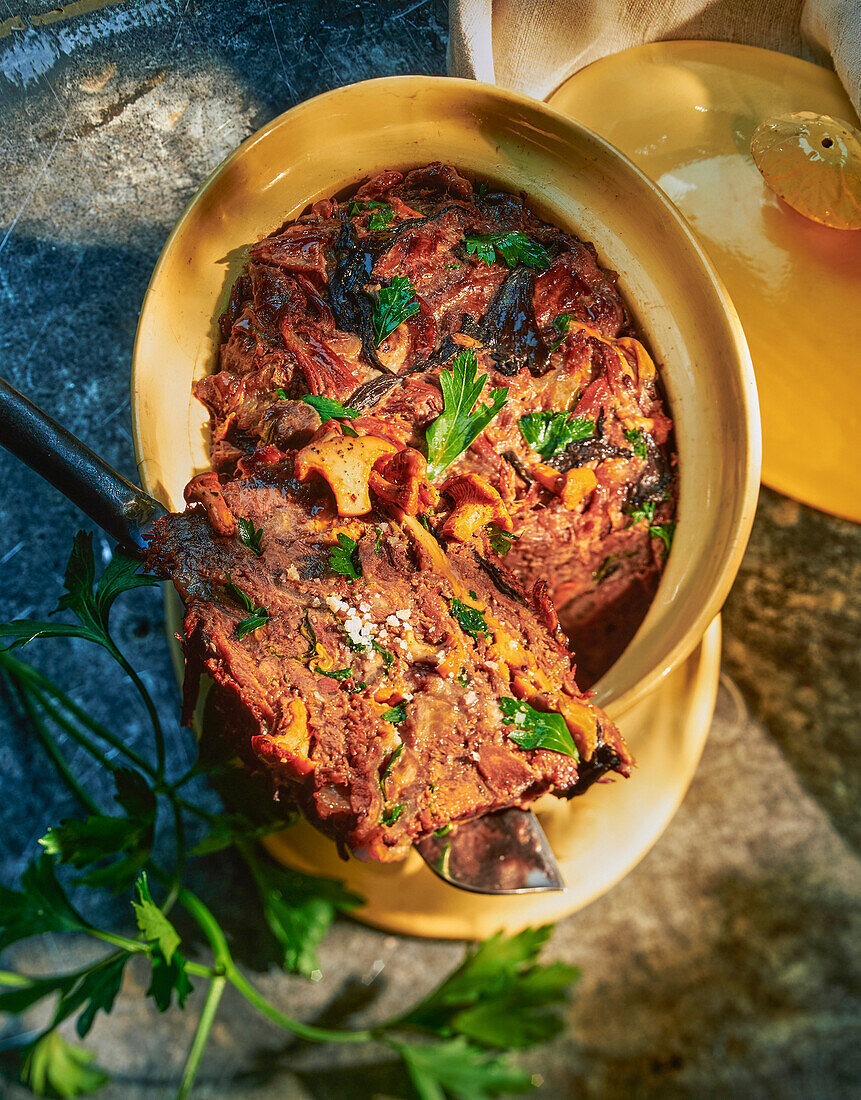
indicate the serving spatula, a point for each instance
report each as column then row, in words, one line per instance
column 505, row 852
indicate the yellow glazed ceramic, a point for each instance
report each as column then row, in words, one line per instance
column 579, row 181
column 575, row 178
column 685, row 113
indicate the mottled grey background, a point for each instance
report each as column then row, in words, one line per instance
column 729, row 960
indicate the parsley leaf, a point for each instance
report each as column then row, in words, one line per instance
column 548, row 433
column 169, row 979
column 646, row 511
column 664, row 532
column 330, row 409
column 298, row 908
column 393, row 759
column 93, row 989
column 57, row 1065
column 343, row 558
column 39, row 906
column 637, row 440
column 513, row 246
column 500, row 540
column 537, row 729
column 281, row 394
column 457, row 1068
column 102, row 836
column 471, row 620
column 230, row 829
column 396, row 715
column 250, row 535
column 501, row 995
column 460, row 422
column 258, row 615
column 89, row 602
column 396, row 303
column 381, row 216
column 153, row 924
column 391, row 814
column 562, row 324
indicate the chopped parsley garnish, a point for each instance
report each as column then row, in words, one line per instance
column 463, row 677
column 396, row 303
column 452, row 266
column 537, row 729
column 391, row 814
column 309, row 634
column 383, row 652
column 381, row 216
column 281, row 394
column 500, row 540
column 646, row 511
column 513, row 246
column 470, row 618
column 250, row 535
column 378, row 545
column 396, row 715
column 343, row 558
column 607, row 568
column 562, row 324
column 328, row 408
column 335, row 673
column 637, row 440
column 393, row 759
column 460, row 422
column 444, row 831
column 548, row 433
column 258, row 615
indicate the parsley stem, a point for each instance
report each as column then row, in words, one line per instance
column 51, row 747
column 20, row 670
column 201, row 1036
column 225, row 964
column 71, row 729
column 303, row 1031
column 151, row 710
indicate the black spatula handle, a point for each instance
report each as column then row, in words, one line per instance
column 120, row 508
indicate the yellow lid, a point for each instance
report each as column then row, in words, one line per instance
column 813, row 162
column 685, row 113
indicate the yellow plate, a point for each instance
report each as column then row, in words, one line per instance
column 597, row 838
column 684, row 112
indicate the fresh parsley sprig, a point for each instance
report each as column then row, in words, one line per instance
column 513, row 246
column 637, row 440
column 562, row 324
column 548, row 433
column 256, row 617
column 344, row 558
column 396, row 304
column 250, row 535
column 537, row 729
column 461, row 421
column 329, row 409
column 449, row 1044
column 646, row 512
column 471, row 620
column 381, row 216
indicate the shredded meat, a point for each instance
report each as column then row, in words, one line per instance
column 372, row 651
column 366, row 701
column 298, row 322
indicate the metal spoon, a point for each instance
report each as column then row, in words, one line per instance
column 501, row 853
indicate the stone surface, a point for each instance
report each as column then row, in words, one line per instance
column 729, row 960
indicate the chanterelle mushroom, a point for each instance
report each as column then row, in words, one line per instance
column 346, row 463
column 476, row 503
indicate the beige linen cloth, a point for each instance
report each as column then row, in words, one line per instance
column 533, row 45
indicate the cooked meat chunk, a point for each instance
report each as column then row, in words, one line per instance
column 581, row 454
column 382, row 679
